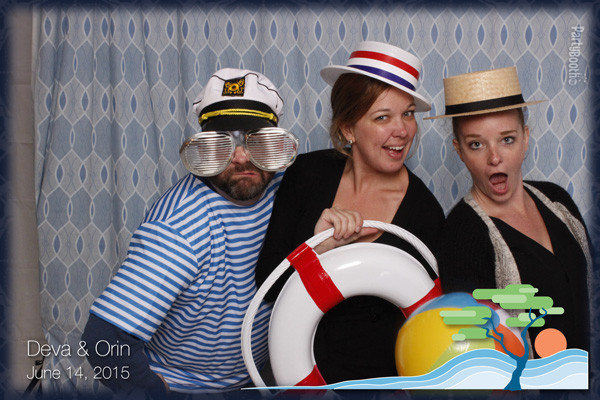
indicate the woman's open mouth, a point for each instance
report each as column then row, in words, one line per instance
column 394, row 151
column 499, row 182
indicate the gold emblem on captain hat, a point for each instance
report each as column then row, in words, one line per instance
column 234, row 87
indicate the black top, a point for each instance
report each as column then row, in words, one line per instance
column 355, row 339
column 467, row 262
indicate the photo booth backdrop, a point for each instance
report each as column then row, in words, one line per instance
column 113, row 87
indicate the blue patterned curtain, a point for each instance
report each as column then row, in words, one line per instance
column 114, row 86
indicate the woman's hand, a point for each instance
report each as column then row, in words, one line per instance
column 347, row 228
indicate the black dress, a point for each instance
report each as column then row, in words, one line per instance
column 355, row 339
column 467, row 262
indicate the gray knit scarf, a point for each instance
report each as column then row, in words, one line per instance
column 506, row 270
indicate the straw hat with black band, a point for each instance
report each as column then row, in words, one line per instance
column 483, row 92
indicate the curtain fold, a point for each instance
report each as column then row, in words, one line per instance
column 113, row 89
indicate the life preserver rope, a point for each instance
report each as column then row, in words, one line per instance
column 321, row 282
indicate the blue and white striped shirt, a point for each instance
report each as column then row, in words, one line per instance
column 186, row 284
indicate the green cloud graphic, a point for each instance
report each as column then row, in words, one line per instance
column 471, row 315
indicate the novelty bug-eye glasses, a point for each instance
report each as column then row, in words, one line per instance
column 209, row 153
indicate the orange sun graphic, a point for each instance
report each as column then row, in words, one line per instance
column 549, row 341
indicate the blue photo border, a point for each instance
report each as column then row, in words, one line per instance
column 592, row 35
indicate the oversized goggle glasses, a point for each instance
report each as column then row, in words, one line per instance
column 210, row 153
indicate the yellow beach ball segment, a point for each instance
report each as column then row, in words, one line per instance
column 425, row 342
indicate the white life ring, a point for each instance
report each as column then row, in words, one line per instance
column 321, row 282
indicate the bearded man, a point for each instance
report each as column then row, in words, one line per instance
column 176, row 305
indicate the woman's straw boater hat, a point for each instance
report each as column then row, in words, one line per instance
column 386, row 63
column 483, row 92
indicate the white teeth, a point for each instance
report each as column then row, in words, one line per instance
column 396, row 148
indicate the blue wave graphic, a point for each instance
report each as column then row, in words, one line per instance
column 484, row 369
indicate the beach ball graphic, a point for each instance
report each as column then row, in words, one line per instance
column 425, row 341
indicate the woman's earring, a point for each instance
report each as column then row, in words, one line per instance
column 350, row 142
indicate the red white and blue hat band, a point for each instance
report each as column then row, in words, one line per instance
column 386, row 63
column 385, row 74
column 397, row 70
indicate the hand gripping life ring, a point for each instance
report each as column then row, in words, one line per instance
column 321, row 282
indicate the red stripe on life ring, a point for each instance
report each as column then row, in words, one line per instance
column 436, row 291
column 313, row 379
column 387, row 59
column 315, row 279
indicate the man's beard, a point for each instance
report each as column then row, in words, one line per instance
column 242, row 188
